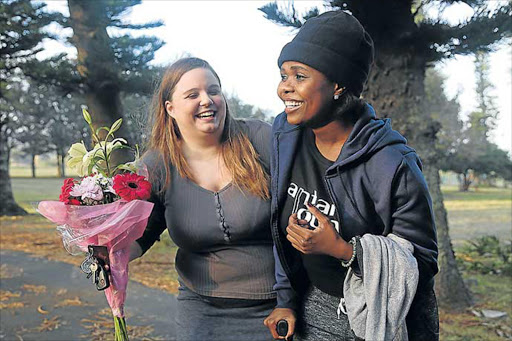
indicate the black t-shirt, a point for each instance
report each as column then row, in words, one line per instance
column 307, row 185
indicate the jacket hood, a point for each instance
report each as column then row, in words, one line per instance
column 368, row 137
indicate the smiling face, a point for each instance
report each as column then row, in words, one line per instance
column 306, row 93
column 197, row 104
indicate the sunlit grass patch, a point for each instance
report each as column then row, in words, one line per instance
column 28, row 191
column 481, row 193
column 478, row 205
column 43, row 170
column 487, row 211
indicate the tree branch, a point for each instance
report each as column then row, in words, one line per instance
column 478, row 34
column 279, row 17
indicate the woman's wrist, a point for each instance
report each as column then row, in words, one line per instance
column 343, row 250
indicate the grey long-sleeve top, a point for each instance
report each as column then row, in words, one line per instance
column 224, row 240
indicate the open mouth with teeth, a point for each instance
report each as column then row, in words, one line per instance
column 206, row 114
column 292, row 104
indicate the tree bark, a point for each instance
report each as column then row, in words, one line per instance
column 8, row 206
column 96, row 61
column 59, row 169
column 466, row 182
column 451, row 289
column 33, row 164
column 396, row 89
column 62, row 164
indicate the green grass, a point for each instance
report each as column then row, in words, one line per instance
column 28, row 191
column 487, row 211
column 44, row 169
column 451, row 193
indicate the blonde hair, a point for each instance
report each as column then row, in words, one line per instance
column 238, row 153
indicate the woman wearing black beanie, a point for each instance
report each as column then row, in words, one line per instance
column 352, row 219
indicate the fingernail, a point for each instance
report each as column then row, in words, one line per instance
column 309, row 205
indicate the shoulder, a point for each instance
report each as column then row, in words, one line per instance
column 259, row 134
column 154, row 162
column 152, row 159
column 280, row 122
column 257, row 131
column 253, row 127
column 393, row 160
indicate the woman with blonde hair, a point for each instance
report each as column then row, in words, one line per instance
column 210, row 189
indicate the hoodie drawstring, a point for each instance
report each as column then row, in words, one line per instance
column 341, row 308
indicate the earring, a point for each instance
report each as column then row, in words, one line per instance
column 336, row 97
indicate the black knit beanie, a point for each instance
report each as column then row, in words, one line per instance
column 337, row 45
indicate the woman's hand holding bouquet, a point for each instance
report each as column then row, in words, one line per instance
column 106, row 207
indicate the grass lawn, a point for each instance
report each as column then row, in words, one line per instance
column 478, row 213
column 487, row 211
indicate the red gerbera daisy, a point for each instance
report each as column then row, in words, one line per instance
column 64, row 194
column 131, row 186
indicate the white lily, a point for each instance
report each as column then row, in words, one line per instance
column 79, row 158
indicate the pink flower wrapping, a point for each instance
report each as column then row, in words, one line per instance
column 115, row 225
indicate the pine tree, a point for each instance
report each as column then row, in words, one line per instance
column 110, row 65
column 407, row 41
column 21, row 32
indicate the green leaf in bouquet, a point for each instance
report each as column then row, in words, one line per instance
column 119, row 146
column 102, row 128
column 129, row 166
column 98, row 152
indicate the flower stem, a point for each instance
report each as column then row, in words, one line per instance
column 121, row 333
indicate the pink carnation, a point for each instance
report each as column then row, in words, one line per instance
column 88, row 188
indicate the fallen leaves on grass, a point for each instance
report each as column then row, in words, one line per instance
column 36, row 289
column 50, row 324
column 6, row 295
column 62, row 291
column 101, row 328
column 70, row 302
column 12, row 305
column 41, row 310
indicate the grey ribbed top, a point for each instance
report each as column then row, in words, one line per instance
column 224, row 240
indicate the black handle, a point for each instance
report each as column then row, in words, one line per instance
column 282, row 327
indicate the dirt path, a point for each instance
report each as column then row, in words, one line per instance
column 42, row 299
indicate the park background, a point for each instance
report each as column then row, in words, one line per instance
column 442, row 73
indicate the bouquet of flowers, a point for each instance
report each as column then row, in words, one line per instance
column 107, row 207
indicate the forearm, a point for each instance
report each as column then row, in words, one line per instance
column 286, row 297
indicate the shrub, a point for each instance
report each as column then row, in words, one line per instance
column 486, row 255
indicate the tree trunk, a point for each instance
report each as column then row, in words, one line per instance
column 8, row 206
column 59, row 163
column 451, row 289
column 33, row 165
column 98, row 68
column 96, row 61
column 396, row 89
column 466, row 182
column 62, row 164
